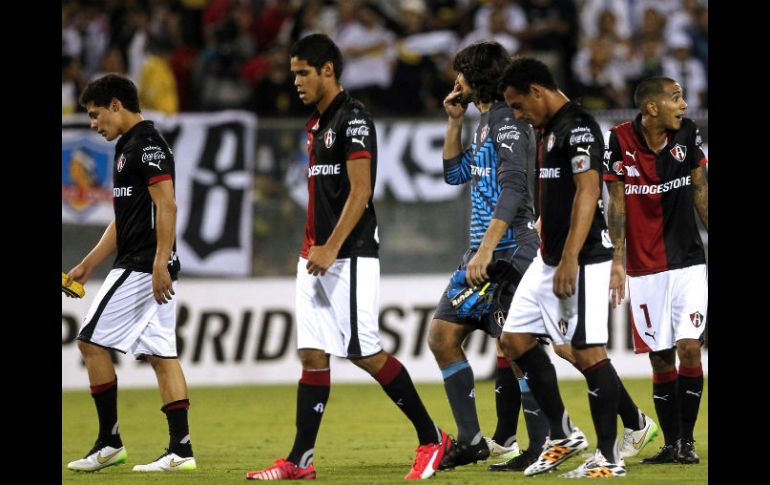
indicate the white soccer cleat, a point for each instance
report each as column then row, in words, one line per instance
column 634, row 441
column 168, row 462
column 556, row 452
column 500, row 452
column 99, row 457
column 596, row 466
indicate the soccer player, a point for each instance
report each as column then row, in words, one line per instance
column 563, row 294
column 499, row 164
column 134, row 310
column 338, row 271
column 655, row 176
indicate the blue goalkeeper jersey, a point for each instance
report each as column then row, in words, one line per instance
column 500, row 164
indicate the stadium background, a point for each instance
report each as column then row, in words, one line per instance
column 214, row 77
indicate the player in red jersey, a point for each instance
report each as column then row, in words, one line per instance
column 656, row 176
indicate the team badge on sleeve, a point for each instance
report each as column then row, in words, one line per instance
column 679, row 152
column 550, row 142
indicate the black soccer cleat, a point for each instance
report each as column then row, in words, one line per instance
column 685, row 452
column 517, row 463
column 666, row 454
column 461, row 453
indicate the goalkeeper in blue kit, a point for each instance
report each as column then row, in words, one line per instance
column 499, row 164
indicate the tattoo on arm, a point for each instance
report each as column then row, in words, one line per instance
column 616, row 218
column 701, row 195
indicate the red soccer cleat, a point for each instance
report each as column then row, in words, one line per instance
column 427, row 459
column 283, row 470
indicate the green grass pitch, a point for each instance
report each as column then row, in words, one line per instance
column 364, row 438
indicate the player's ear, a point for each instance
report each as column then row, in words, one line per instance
column 115, row 104
column 536, row 90
column 651, row 107
column 328, row 69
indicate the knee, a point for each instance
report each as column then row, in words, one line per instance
column 689, row 352
column 313, row 359
column 565, row 352
column 89, row 350
column 512, row 345
column 440, row 343
column 663, row 361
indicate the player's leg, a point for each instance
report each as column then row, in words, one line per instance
column 587, row 313
column 157, row 344
column 666, row 399
column 537, row 428
column 397, row 384
column 445, row 341
column 504, row 444
column 101, row 329
column 689, row 317
column 176, row 403
column 318, row 335
column 532, row 302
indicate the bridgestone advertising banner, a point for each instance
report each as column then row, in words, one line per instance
column 243, row 332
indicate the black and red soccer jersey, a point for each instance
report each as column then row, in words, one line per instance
column 345, row 131
column 572, row 143
column 661, row 232
column 142, row 158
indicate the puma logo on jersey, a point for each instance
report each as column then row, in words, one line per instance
column 509, row 147
column 156, row 165
column 585, row 150
column 632, row 155
column 358, row 140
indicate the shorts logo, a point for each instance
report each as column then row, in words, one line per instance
column 563, row 326
column 329, row 138
column 499, row 318
column 696, row 319
column 679, row 152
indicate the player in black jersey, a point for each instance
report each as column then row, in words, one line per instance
column 499, row 166
column 337, row 303
column 134, row 310
column 564, row 293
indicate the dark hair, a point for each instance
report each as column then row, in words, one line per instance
column 317, row 50
column 524, row 71
column 102, row 90
column 649, row 89
column 481, row 65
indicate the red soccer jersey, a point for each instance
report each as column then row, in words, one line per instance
column 661, row 232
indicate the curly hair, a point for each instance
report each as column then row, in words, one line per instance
column 481, row 64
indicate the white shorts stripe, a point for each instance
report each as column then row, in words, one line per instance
column 324, row 303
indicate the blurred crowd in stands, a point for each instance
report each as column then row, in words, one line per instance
column 206, row 55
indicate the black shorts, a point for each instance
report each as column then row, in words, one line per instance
column 520, row 257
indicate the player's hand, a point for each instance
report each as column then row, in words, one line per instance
column 454, row 108
column 617, row 283
column 319, row 259
column 565, row 277
column 162, row 288
column 80, row 273
column 476, row 271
